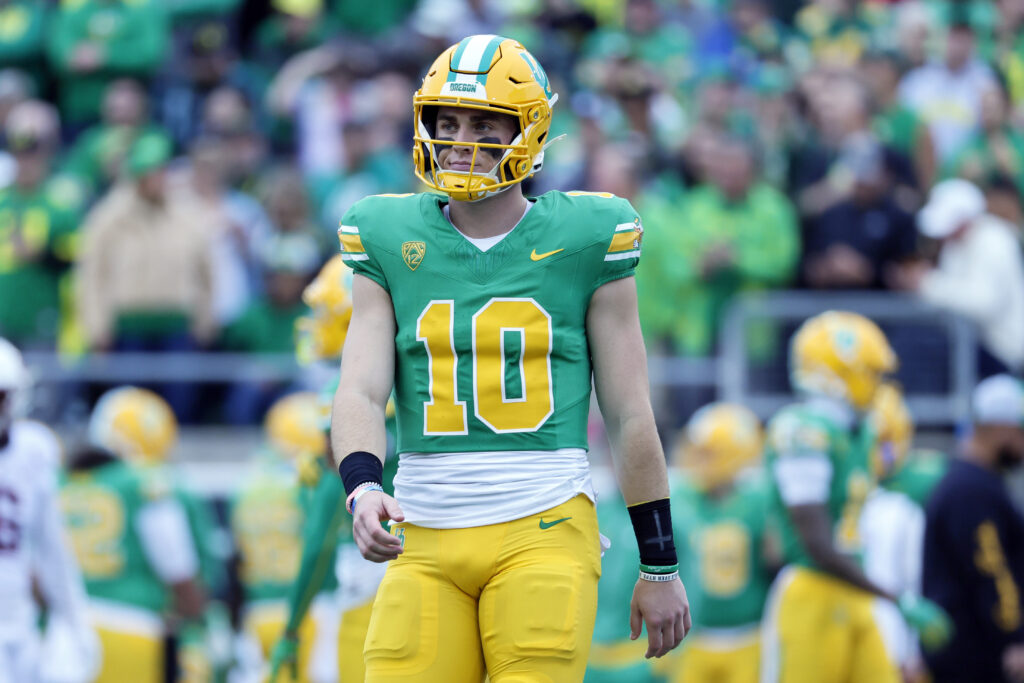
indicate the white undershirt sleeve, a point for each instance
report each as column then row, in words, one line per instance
column 803, row 479
column 166, row 541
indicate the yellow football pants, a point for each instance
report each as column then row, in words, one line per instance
column 515, row 600
column 266, row 622
column 130, row 657
column 351, row 639
column 818, row 629
column 710, row 658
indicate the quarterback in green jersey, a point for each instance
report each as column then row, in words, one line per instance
column 820, row 624
column 490, row 313
column 723, row 524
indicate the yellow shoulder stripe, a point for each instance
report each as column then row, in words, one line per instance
column 625, row 241
column 351, row 243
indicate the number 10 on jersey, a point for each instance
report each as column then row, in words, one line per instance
column 511, row 367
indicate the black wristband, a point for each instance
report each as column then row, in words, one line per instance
column 652, row 524
column 358, row 468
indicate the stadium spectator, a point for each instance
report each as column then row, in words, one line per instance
column 997, row 147
column 294, row 27
column 947, row 94
column 896, row 125
column 94, row 42
column 835, row 32
column 283, row 194
column 850, row 245
column 23, row 38
column 267, row 325
column 241, row 228
column 145, row 280
column 39, row 215
column 228, row 114
column 99, row 153
column 735, row 233
column 974, row 536
column 980, row 272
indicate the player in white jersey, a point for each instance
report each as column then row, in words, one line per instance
column 33, row 548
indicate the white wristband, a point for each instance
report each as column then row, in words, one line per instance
column 659, row 578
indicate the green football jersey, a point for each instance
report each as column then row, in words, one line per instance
column 810, row 430
column 100, row 506
column 491, row 347
column 721, row 541
column 919, row 474
column 267, row 519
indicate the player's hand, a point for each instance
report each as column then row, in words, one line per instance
column 286, row 653
column 933, row 625
column 1013, row 662
column 665, row 610
column 374, row 542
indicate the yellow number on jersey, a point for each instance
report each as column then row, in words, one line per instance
column 95, row 524
column 725, row 559
column 269, row 533
column 444, row 413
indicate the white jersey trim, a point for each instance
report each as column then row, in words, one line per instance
column 623, row 255
column 803, row 479
column 461, row 490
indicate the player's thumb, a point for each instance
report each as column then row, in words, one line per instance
column 393, row 511
column 636, row 621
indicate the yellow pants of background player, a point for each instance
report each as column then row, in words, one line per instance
column 351, row 638
column 130, row 657
column 818, row 629
column 515, row 600
column 713, row 656
column 266, row 621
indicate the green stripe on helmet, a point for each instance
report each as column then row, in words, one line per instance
column 488, row 55
column 457, row 57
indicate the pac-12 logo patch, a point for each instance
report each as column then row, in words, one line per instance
column 412, row 253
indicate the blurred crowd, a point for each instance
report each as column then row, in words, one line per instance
column 174, row 171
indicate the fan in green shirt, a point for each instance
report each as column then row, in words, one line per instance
column 93, row 42
column 733, row 234
column 39, row 215
column 997, row 148
column 22, row 38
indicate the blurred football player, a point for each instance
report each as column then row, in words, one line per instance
column 490, row 314
column 723, row 503
column 33, row 548
column 328, row 550
column 131, row 533
column 820, row 625
column 268, row 518
column 892, row 522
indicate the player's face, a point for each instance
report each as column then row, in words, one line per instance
column 468, row 126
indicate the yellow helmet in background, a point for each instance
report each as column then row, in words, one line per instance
column 894, row 429
column 842, row 355
column 136, row 424
column 321, row 333
column 719, row 440
column 488, row 73
column 294, row 425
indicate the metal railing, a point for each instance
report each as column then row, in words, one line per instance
column 936, row 348
column 937, row 351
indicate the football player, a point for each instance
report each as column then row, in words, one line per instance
column 268, row 518
column 723, row 502
column 132, row 534
column 33, row 547
column 820, row 625
column 328, row 551
column 892, row 523
column 490, row 313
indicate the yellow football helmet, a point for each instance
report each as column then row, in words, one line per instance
column 894, row 428
column 489, row 73
column 294, row 427
column 136, row 424
column 719, row 440
column 842, row 355
column 321, row 334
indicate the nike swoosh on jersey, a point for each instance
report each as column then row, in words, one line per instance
column 548, row 525
column 534, row 256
